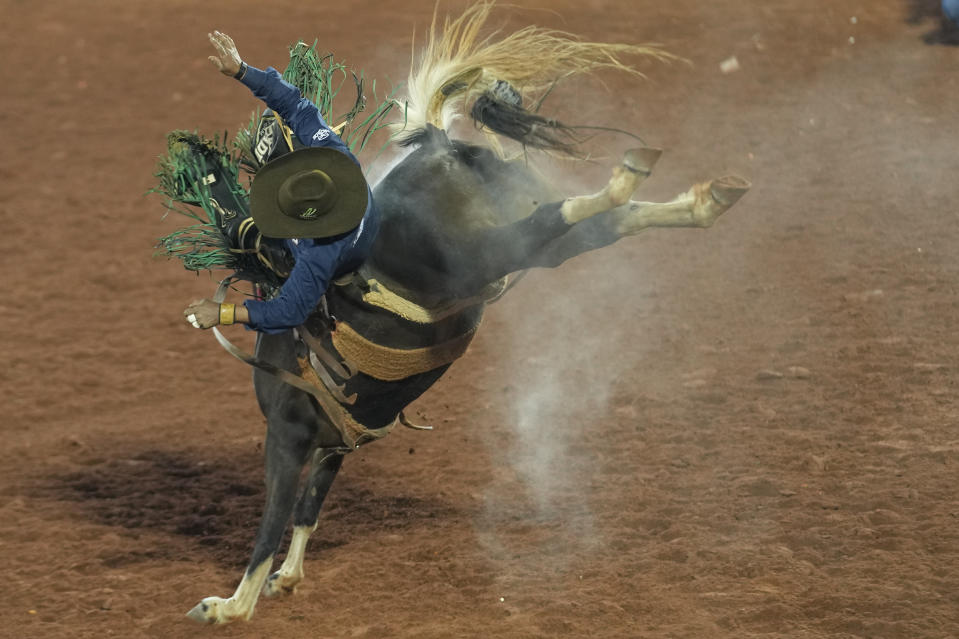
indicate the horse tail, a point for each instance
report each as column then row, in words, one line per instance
column 458, row 66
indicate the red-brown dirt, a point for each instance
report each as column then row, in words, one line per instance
column 749, row 431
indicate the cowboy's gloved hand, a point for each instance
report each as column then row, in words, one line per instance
column 202, row 313
column 227, row 59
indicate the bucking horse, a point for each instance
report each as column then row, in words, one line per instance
column 461, row 219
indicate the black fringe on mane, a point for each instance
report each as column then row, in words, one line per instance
column 419, row 136
column 424, row 136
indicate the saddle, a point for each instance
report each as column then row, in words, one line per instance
column 338, row 347
column 334, row 351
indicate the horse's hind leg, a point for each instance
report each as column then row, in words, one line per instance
column 697, row 208
column 636, row 166
column 326, row 463
column 287, row 446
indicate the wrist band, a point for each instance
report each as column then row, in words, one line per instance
column 242, row 71
column 227, row 314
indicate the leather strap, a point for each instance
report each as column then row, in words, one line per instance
column 393, row 364
column 353, row 433
column 290, row 378
column 346, row 370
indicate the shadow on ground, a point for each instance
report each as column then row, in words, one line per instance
column 218, row 503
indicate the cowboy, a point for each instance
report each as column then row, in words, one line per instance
column 315, row 197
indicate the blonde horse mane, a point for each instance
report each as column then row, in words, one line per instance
column 458, row 66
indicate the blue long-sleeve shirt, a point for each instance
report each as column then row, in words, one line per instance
column 317, row 261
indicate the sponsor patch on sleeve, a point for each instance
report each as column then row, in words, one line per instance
column 321, row 135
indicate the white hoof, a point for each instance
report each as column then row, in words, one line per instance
column 642, row 159
column 281, row 584
column 714, row 198
column 637, row 165
column 216, row 610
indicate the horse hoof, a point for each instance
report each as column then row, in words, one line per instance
column 712, row 199
column 642, row 160
column 636, row 167
column 728, row 189
column 205, row 611
column 279, row 584
column 216, row 610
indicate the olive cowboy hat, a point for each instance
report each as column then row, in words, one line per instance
column 311, row 192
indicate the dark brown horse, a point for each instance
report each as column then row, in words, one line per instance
column 457, row 221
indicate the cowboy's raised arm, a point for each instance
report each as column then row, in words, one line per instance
column 299, row 113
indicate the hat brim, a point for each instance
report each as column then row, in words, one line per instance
column 345, row 214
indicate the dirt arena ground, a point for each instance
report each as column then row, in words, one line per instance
column 749, row 431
